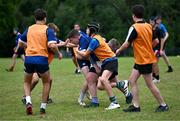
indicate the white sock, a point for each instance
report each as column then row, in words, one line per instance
column 136, row 105
column 43, row 105
column 82, row 95
column 28, row 100
column 163, row 104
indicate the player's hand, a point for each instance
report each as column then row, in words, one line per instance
column 66, row 42
column 161, row 52
column 14, row 49
column 60, row 56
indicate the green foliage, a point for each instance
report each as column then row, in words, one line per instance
column 114, row 17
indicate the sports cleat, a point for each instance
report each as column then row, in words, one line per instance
column 77, row 71
column 81, row 103
column 170, row 69
column 23, row 100
column 113, row 106
column 129, row 98
column 94, row 105
column 42, row 111
column 156, row 80
column 29, row 109
column 162, row 108
column 131, row 108
column 49, row 101
column 10, row 69
column 88, row 95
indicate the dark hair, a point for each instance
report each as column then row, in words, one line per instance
column 40, row 14
column 16, row 29
column 138, row 11
column 152, row 18
column 73, row 33
column 158, row 17
column 93, row 27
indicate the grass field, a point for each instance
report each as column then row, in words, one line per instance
column 65, row 91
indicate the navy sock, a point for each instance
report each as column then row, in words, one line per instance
column 113, row 99
column 120, row 84
column 94, row 100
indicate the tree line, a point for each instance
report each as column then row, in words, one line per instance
column 114, row 16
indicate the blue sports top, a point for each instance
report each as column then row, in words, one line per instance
column 38, row 59
column 84, row 41
column 163, row 28
column 17, row 38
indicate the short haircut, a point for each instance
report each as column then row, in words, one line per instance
column 40, row 14
column 138, row 11
column 158, row 17
column 73, row 33
column 53, row 26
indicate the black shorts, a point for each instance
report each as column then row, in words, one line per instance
column 143, row 69
column 83, row 63
column 72, row 52
column 93, row 70
column 111, row 66
column 38, row 68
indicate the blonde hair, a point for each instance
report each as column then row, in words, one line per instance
column 53, row 26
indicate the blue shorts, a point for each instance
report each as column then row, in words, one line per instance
column 38, row 68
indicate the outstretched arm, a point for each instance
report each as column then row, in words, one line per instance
column 132, row 34
column 123, row 47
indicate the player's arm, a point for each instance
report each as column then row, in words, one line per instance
column 52, row 42
column 166, row 32
column 95, row 65
column 92, row 46
column 84, row 54
column 61, row 43
column 71, row 45
column 22, row 41
column 155, row 37
column 132, row 34
column 163, row 40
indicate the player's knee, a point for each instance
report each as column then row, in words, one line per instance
column 90, row 79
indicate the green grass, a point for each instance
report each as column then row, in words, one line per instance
column 65, row 91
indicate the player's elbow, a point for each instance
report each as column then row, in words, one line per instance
column 52, row 45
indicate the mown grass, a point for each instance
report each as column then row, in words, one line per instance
column 65, row 91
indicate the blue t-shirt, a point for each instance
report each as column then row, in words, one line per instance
column 93, row 44
column 38, row 59
column 163, row 28
column 84, row 41
column 17, row 38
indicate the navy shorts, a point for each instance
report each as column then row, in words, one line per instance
column 111, row 66
column 83, row 63
column 38, row 68
column 20, row 51
column 143, row 69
